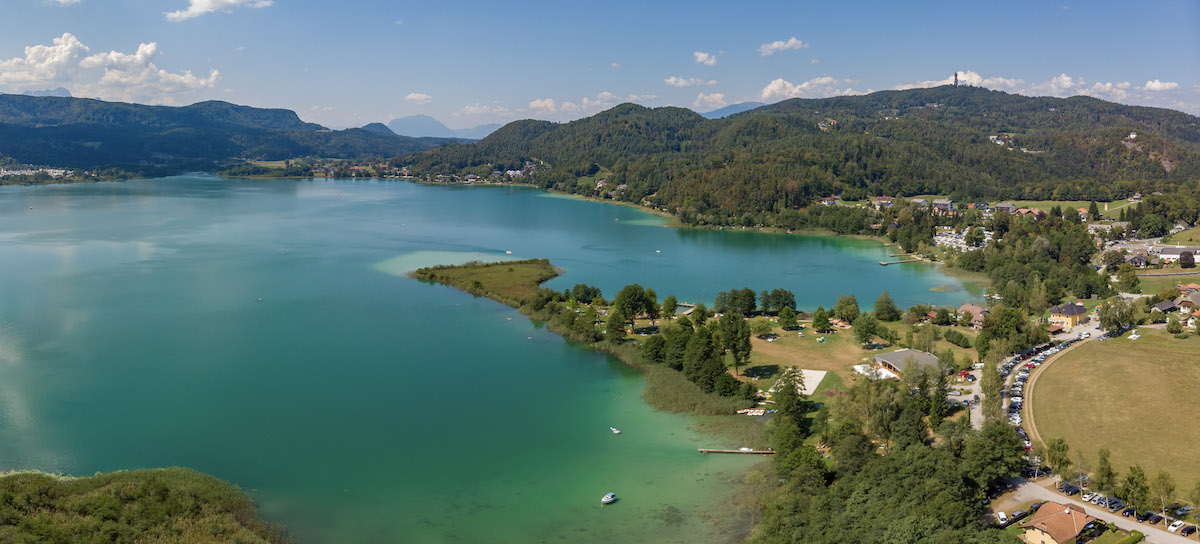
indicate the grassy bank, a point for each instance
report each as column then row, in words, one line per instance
column 511, row 282
column 174, row 505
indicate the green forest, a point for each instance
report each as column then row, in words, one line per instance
column 788, row 155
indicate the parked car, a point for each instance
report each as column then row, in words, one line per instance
column 1115, row 504
column 1155, row 519
column 1001, row 517
column 1087, row 497
column 1175, row 526
column 1141, row 518
column 1128, row 512
column 1188, row 531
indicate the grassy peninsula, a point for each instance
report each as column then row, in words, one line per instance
column 518, row 284
column 173, row 505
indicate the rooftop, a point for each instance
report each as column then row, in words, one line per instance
column 1069, row 309
column 1062, row 523
column 899, row 359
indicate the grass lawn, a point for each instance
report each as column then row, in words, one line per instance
column 1135, row 397
column 1151, row 284
column 508, row 282
column 837, row 356
column 1186, row 237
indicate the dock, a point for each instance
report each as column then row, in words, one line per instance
column 900, row 254
column 885, row 263
column 752, row 452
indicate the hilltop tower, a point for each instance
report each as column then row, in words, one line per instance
column 955, row 79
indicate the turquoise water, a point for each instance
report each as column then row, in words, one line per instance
column 264, row 332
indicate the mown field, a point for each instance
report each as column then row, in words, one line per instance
column 1153, row 284
column 1135, row 397
column 1186, row 237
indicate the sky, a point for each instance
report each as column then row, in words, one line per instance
column 351, row 62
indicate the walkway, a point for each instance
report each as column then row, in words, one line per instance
column 1030, row 491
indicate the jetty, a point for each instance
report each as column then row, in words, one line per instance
column 690, row 307
column 885, row 263
column 752, row 452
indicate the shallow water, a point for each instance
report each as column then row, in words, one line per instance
column 263, row 331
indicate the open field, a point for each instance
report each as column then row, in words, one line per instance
column 1186, row 237
column 1113, row 211
column 837, row 355
column 1152, row 284
column 1135, row 397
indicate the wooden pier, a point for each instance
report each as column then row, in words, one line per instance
column 885, row 263
column 752, row 452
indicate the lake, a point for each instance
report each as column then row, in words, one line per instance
column 264, row 332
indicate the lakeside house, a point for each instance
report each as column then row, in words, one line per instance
column 1006, row 207
column 897, row 361
column 1067, row 315
column 977, row 314
column 1054, row 523
column 882, row 202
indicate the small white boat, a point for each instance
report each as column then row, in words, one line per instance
column 615, row 430
column 608, row 498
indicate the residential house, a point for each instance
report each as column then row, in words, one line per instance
column 1180, row 227
column 1191, row 322
column 882, row 202
column 981, row 206
column 828, row 201
column 1166, row 306
column 920, row 202
column 1054, row 523
column 1006, row 207
column 897, row 361
column 1187, row 288
column 1083, row 214
column 1094, row 228
column 943, row 205
column 1035, row 213
column 1068, row 316
column 977, row 314
column 1138, row 259
column 1188, row 302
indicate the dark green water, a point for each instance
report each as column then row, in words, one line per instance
column 358, row 405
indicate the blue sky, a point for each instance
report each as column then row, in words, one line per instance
column 471, row 62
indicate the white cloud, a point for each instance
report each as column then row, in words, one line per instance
column 814, row 88
column 399, row 21
column 1156, row 85
column 615, row 65
column 418, row 98
column 676, row 81
column 543, row 105
column 641, row 97
column 706, row 59
column 815, row 60
column 122, row 76
column 710, row 101
column 197, row 8
column 768, row 49
column 66, row 2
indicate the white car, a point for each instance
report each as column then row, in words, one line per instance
column 1087, row 497
column 1002, row 517
column 1176, row 526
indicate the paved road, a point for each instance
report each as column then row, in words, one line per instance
column 1029, row 491
column 1093, row 327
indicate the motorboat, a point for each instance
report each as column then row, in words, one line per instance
column 615, row 430
column 609, row 498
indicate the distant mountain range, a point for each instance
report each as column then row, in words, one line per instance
column 59, row 92
column 86, row 133
column 417, row 126
column 732, row 109
column 966, row 142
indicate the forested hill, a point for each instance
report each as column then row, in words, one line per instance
column 896, row 143
column 85, row 133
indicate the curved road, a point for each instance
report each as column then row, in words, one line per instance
column 1031, row 425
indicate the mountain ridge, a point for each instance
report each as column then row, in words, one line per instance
column 967, row 142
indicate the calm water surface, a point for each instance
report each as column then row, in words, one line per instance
column 264, row 332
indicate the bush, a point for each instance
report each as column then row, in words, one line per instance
column 957, row 338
